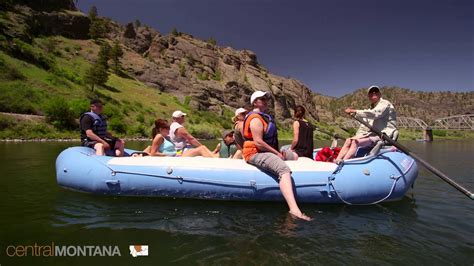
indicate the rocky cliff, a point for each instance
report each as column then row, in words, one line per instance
column 211, row 77
column 214, row 77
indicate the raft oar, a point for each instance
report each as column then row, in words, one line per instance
column 334, row 135
column 435, row 171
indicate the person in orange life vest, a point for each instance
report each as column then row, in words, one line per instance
column 261, row 149
column 94, row 132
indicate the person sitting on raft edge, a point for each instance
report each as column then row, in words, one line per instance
column 94, row 134
column 303, row 132
column 184, row 142
column 226, row 148
column 238, row 121
column 261, row 149
column 162, row 145
column 381, row 115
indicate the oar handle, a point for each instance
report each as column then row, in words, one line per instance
column 435, row 171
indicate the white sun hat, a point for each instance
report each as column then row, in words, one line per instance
column 178, row 113
column 257, row 94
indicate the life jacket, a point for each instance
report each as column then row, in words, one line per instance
column 327, row 154
column 227, row 151
column 270, row 135
column 99, row 126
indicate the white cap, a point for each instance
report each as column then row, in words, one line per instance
column 239, row 111
column 178, row 113
column 373, row 87
column 257, row 94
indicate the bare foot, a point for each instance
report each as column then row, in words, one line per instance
column 301, row 216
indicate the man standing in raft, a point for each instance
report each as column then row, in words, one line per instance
column 94, row 132
column 261, row 149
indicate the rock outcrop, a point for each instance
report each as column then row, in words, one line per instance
column 213, row 76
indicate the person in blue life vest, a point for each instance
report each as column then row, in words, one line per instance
column 94, row 132
column 227, row 147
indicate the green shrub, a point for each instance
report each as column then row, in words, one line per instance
column 111, row 111
column 117, row 125
column 217, row 75
column 174, row 32
column 187, row 100
column 182, row 70
column 10, row 72
column 203, row 75
column 211, row 41
column 140, row 118
column 98, row 28
column 78, row 107
column 18, row 97
column 59, row 114
column 140, row 131
column 25, row 51
column 138, row 104
column 6, row 122
column 439, row 133
column 204, row 132
column 67, row 74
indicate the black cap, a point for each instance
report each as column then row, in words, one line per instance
column 225, row 133
column 96, row 101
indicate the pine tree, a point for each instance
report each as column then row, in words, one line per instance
column 115, row 54
column 104, row 55
column 129, row 31
column 98, row 29
column 137, row 23
column 174, row 32
column 96, row 75
column 93, row 13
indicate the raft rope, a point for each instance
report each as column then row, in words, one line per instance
column 254, row 185
column 251, row 184
column 181, row 179
column 338, row 169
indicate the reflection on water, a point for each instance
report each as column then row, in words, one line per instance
column 431, row 225
column 197, row 217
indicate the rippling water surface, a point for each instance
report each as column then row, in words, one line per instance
column 433, row 224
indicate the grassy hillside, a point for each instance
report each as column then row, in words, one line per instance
column 45, row 76
column 51, row 70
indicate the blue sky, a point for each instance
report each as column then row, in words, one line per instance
column 334, row 47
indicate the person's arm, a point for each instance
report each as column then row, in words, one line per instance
column 155, row 145
column 218, row 147
column 182, row 132
column 91, row 135
column 86, row 124
column 379, row 111
column 296, row 131
column 113, row 137
column 256, row 127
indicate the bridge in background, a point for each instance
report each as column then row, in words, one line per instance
column 456, row 122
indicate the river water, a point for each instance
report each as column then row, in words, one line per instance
column 433, row 224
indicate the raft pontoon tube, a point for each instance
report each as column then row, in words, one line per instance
column 385, row 176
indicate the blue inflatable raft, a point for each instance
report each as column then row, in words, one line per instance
column 386, row 176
